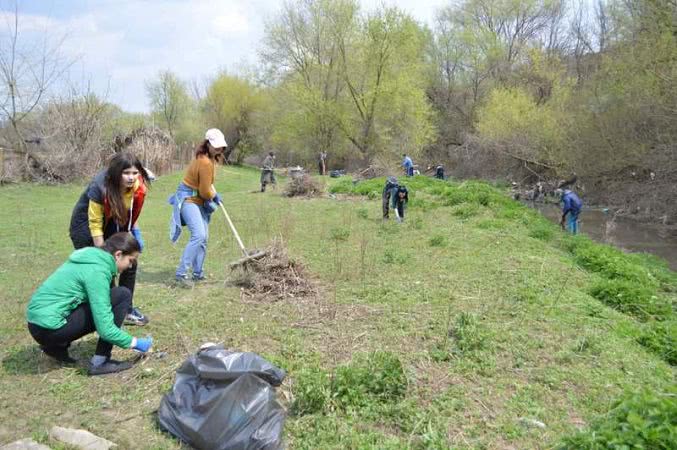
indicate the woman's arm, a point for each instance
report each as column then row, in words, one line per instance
column 95, row 214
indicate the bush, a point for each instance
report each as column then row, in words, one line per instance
column 644, row 420
column 376, row 377
column 610, row 262
column 661, row 339
column 342, row 186
column 632, row 298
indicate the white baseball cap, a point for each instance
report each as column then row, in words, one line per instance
column 216, row 138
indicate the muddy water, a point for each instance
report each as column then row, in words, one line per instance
column 623, row 233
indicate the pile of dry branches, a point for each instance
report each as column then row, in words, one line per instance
column 304, row 185
column 274, row 277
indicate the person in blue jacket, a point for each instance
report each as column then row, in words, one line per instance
column 571, row 207
column 408, row 165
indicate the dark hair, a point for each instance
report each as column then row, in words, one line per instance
column 205, row 149
column 124, row 242
column 118, row 164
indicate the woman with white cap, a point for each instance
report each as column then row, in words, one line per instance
column 194, row 201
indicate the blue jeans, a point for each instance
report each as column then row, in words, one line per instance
column 572, row 222
column 194, row 254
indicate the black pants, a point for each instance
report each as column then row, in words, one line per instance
column 127, row 278
column 80, row 323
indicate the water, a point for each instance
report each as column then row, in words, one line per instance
column 626, row 234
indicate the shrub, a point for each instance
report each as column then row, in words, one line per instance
column 644, row 420
column 611, row 263
column 661, row 339
column 311, row 391
column 376, row 377
column 342, row 186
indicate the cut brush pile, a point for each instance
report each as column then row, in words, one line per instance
column 274, row 277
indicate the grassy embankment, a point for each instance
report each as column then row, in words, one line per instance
column 481, row 314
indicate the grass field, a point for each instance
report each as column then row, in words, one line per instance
column 471, row 325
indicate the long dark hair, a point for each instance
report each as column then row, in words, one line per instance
column 124, row 242
column 119, row 163
column 205, row 149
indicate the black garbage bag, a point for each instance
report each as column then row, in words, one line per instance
column 225, row 400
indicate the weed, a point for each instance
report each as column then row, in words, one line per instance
column 339, row 234
column 311, row 391
column 438, row 241
column 374, row 377
column 542, row 230
column 645, row 419
column 394, row 256
column 465, row 210
column 631, row 298
column 661, row 338
column 362, row 213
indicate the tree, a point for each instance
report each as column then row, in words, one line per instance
column 29, row 67
column 169, row 100
column 232, row 104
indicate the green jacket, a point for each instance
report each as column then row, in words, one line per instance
column 85, row 277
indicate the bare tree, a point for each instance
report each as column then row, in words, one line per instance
column 169, row 99
column 27, row 71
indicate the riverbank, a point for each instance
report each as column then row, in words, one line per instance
column 473, row 324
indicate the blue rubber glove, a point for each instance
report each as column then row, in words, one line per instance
column 142, row 344
column 136, row 232
column 217, row 199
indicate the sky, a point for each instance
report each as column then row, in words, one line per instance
column 119, row 45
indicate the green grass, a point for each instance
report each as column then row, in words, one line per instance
column 448, row 330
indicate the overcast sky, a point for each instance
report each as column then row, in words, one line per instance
column 120, row 44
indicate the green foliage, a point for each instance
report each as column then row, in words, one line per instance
column 375, row 377
column 611, row 263
column 437, row 241
column 661, row 338
column 631, row 298
column 169, row 101
column 339, row 234
column 542, row 230
column 469, row 334
column 465, row 210
column 643, row 420
column 311, row 391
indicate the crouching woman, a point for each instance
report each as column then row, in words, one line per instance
column 77, row 300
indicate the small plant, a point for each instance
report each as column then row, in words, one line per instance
column 469, row 334
column 362, row 213
column 339, row 234
column 437, row 241
column 376, row 377
column 642, row 420
column 311, row 391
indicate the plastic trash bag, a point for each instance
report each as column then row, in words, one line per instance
column 224, row 400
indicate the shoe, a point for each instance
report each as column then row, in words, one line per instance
column 110, row 366
column 136, row 317
column 197, row 279
column 58, row 353
column 184, row 283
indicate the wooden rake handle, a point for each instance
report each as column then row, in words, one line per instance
column 232, row 228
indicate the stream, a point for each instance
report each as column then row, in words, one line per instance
column 625, row 234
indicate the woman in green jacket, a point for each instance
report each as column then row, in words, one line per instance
column 77, row 300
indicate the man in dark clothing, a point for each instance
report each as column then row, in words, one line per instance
column 268, row 172
column 571, row 206
column 439, row 172
column 395, row 197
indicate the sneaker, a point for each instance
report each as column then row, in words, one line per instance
column 58, row 353
column 184, row 283
column 136, row 317
column 198, row 278
column 110, row 366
